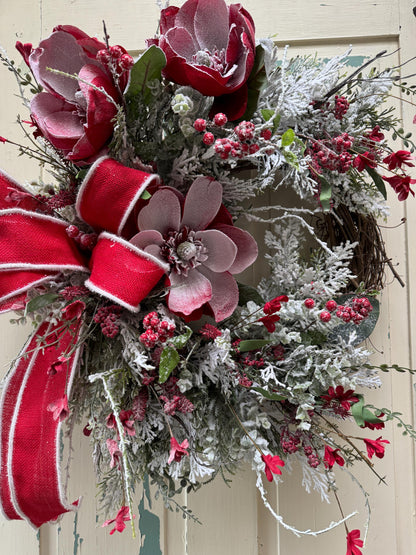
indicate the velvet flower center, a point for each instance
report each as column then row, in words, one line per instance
column 183, row 251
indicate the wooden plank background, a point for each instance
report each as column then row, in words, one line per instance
column 235, row 521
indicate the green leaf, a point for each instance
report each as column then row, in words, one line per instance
column 181, row 340
column 39, row 302
column 145, row 195
column 362, row 414
column 268, row 395
column 252, row 345
column 313, row 338
column 326, row 193
column 288, row 137
column 248, row 293
column 255, row 83
column 267, row 114
column 378, row 181
column 148, row 67
column 169, row 360
column 363, row 330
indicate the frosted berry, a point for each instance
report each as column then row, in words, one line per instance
column 266, row 134
column 126, row 62
column 325, row 316
column 208, row 138
column 331, row 305
column 309, row 303
column 200, row 124
column 220, row 119
column 72, row 231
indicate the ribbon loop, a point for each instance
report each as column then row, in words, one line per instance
column 111, row 193
column 122, row 272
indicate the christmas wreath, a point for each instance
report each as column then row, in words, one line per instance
column 127, row 262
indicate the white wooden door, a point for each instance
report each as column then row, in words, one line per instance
column 234, row 519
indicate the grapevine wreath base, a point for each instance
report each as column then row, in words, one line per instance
column 126, row 259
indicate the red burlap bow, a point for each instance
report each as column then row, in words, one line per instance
column 35, row 248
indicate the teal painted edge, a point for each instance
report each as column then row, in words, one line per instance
column 149, row 525
column 77, row 539
column 352, row 61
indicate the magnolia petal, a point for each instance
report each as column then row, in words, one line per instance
column 221, row 249
column 187, row 293
column 202, row 203
column 247, row 247
column 145, row 238
column 162, row 213
column 181, row 42
column 224, row 293
column 59, row 51
column 211, row 36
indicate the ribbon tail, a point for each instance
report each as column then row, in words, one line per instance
column 30, row 481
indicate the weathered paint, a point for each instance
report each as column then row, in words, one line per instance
column 149, row 524
column 77, row 539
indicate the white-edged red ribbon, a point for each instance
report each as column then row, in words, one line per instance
column 35, row 248
column 30, row 482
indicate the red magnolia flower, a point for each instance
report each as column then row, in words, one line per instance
column 59, row 408
column 177, row 450
column 397, row 159
column 271, row 465
column 354, row 542
column 74, row 117
column 121, row 517
column 344, row 398
column 375, row 447
column 401, row 185
column 209, row 46
column 331, row 457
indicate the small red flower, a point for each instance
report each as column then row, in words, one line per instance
column 59, row 408
column 401, row 185
column 331, row 457
column 271, row 465
column 375, row 134
column 375, row 425
column 354, row 542
column 269, row 322
column 125, row 418
column 115, row 453
column 121, row 517
column 73, row 310
column 275, row 304
column 210, row 332
column 375, row 447
column 177, row 451
column 397, row 159
column 344, row 398
column 367, row 159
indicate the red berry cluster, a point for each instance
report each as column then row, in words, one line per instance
column 357, row 310
column 332, row 154
column 228, row 146
column 115, row 57
column 210, row 332
column 107, row 317
column 341, row 107
column 60, row 199
column 252, row 359
column 156, row 331
column 86, row 241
